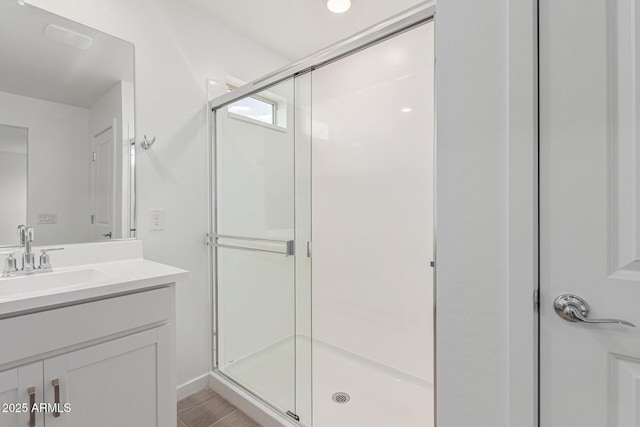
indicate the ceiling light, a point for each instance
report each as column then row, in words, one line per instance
column 406, row 110
column 338, row 6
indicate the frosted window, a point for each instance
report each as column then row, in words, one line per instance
column 254, row 108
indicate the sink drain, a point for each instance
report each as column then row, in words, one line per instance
column 341, row 397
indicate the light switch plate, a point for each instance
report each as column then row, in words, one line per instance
column 48, row 218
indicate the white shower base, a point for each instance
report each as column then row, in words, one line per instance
column 380, row 396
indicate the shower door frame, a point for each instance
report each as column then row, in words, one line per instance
column 395, row 25
column 405, row 21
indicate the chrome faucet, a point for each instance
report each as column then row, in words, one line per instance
column 28, row 257
column 26, row 237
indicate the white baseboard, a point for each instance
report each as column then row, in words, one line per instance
column 193, row 386
column 248, row 404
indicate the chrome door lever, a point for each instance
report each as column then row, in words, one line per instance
column 575, row 309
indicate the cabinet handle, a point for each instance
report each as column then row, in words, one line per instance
column 32, row 403
column 56, row 397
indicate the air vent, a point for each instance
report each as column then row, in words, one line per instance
column 68, row 37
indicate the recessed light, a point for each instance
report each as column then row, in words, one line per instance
column 406, row 110
column 338, row 6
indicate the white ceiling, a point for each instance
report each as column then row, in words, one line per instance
column 298, row 28
column 38, row 67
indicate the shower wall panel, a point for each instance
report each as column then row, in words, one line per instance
column 372, row 198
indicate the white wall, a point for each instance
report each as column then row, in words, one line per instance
column 59, row 165
column 472, row 215
column 177, row 48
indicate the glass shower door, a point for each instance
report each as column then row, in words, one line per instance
column 254, row 244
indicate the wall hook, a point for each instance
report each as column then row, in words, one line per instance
column 146, row 144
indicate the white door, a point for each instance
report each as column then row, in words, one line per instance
column 103, row 189
column 20, row 388
column 112, row 384
column 589, row 217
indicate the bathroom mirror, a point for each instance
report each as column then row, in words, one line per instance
column 67, row 129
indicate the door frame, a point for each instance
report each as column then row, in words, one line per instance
column 523, row 230
column 112, row 126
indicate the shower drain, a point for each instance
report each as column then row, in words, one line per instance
column 341, row 397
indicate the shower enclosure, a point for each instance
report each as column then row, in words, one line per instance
column 323, row 232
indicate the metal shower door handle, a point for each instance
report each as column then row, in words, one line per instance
column 575, row 309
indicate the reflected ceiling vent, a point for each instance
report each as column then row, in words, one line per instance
column 68, row 37
column 341, row 397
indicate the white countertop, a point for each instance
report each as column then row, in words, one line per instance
column 72, row 284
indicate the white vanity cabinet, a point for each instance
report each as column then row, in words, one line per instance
column 110, row 360
column 15, row 385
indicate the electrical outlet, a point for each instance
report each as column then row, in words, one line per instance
column 157, row 219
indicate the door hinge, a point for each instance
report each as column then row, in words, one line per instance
column 94, row 156
column 208, row 239
column 536, row 300
column 294, row 416
column 432, row 264
column 308, row 249
column 93, row 219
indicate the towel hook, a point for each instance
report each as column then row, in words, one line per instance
column 146, row 144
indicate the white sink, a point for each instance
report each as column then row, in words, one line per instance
column 45, row 282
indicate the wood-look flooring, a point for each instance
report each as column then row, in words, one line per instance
column 207, row 409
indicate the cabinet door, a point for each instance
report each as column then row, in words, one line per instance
column 15, row 388
column 118, row 383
